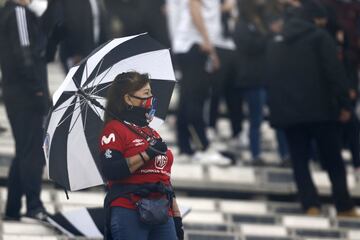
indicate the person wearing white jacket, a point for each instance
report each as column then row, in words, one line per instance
column 195, row 29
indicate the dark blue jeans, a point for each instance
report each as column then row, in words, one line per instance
column 125, row 225
column 255, row 99
column 282, row 144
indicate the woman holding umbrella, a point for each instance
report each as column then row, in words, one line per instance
column 136, row 164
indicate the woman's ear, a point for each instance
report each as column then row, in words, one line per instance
column 127, row 99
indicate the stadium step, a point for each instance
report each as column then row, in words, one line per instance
column 211, row 236
column 306, row 222
column 258, row 230
column 243, row 207
column 313, row 233
column 15, row 228
column 255, row 219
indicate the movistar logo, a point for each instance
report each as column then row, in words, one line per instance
column 106, row 140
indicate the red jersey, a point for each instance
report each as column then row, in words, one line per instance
column 117, row 136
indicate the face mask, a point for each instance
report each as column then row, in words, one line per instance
column 150, row 104
column 152, row 110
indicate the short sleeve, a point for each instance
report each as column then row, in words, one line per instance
column 111, row 139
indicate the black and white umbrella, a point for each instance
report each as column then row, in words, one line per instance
column 71, row 142
column 85, row 222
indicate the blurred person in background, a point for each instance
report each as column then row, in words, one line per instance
column 26, row 98
column 351, row 129
column 126, row 19
column 251, row 39
column 327, row 20
column 132, row 17
column 223, row 80
column 308, row 98
column 2, row 129
column 153, row 15
column 196, row 31
column 291, row 8
column 77, row 26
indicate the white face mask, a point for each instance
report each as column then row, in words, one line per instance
column 38, row 7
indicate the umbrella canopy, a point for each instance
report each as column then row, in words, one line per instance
column 86, row 222
column 74, row 124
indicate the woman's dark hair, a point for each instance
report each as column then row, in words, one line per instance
column 247, row 9
column 313, row 9
column 252, row 11
column 124, row 83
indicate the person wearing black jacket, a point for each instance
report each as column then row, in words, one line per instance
column 351, row 129
column 125, row 16
column 78, row 26
column 251, row 38
column 26, row 99
column 308, row 99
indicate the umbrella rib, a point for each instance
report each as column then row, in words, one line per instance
column 97, row 73
column 64, row 107
column 86, row 70
column 97, row 112
column 93, row 93
column 86, row 111
column 101, row 80
column 76, row 118
column 96, row 97
column 70, row 114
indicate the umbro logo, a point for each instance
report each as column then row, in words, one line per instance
column 138, row 142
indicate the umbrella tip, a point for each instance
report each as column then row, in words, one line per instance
column 66, row 193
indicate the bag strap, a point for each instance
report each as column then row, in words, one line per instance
column 145, row 136
column 142, row 190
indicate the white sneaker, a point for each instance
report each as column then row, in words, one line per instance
column 244, row 139
column 356, row 173
column 211, row 157
column 182, row 159
column 218, row 146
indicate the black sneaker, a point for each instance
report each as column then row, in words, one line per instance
column 38, row 214
column 256, row 162
column 286, row 163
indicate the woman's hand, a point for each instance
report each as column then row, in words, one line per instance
column 179, row 228
column 177, row 220
column 156, row 147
